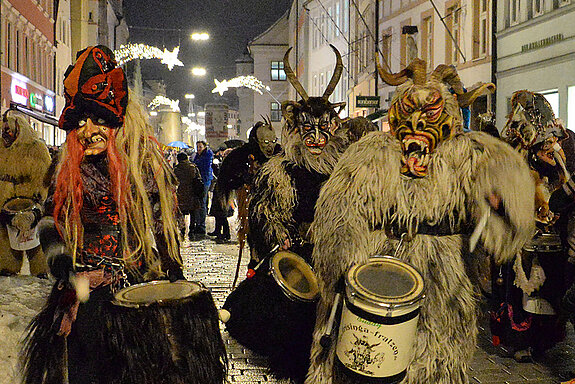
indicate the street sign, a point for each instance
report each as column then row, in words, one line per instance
column 367, row 101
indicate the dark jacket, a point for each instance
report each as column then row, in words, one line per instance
column 191, row 188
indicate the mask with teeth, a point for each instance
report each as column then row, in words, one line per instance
column 424, row 112
column 314, row 118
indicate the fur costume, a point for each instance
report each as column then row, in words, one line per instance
column 433, row 187
column 537, row 276
column 282, row 208
column 114, row 224
column 23, row 165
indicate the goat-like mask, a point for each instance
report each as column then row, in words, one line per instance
column 314, row 118
column 424, row 112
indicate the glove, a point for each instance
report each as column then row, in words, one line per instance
column 58, row 257
column 60, row 263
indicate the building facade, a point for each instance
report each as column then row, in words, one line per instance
column 267, row 51
column 27, row 63
column 536, row 51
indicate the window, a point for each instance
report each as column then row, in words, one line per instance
column 453, row 41
column 538, row 7
column 514, row 11
column 17, row 51
column 337, row 19
column 480, row 28
column 345, row 16
column 330, row 26
column 275, row 111
column 277, row 72
column 386, row 50
column 552, row 97
column 427, row 38
column 9, row 45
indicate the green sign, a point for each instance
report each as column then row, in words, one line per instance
column 367, row 101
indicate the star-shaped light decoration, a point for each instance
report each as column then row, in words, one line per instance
column 130, row 52
column 221, row 87
column 171, row 58
column 240, row 81
column 163, row 100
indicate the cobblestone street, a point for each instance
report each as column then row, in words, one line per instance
column 214, row 265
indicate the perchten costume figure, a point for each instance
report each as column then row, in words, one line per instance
column 113, row 225
column 282, row 208
column 24, row 160
column 531, row 287
column 429, row 183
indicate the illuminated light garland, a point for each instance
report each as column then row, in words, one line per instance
column 163, row 100
column 130, row 52
column 240, row 81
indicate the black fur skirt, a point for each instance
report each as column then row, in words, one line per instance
column 173, row 344
column 267, row 322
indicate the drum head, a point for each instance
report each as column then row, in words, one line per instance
column 18, row 205
column 156, row 292
column 294, row 276
column 385, row 280
column 544, row 242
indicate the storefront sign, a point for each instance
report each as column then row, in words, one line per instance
column 49, row 104
column 36, row 101
column 19, row 92
column 367, row 101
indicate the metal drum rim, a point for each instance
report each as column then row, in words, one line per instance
column 15, row 212
column 356, row 292
column 284, row 287
column 118, row 301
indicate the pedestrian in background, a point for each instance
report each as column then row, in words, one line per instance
column 203, row 160
column 222, row 205
column 190, row 191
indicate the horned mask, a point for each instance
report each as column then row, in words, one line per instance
column 315, row 118
column 424, row 112
column 532, row 129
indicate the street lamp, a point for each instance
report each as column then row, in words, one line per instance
column 199, row 71
column 190, row 96
column 200, row 36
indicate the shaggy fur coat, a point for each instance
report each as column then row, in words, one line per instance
column 286, row 188
column 367, row 199
column 22, row 169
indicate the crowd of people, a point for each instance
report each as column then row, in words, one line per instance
column 107, row 213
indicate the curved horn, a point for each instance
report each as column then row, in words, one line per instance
column 292, row 78
column 448, row 74
column 415, row 71
column 469, row 97
column 390, row 78
column 336, row 74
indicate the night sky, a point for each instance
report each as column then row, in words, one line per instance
column 169, row 23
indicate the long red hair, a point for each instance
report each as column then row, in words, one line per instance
column 69, row 191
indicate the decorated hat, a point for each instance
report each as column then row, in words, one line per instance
column 94, row 87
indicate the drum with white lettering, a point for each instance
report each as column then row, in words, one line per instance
column 379, row 318
column 24, row 236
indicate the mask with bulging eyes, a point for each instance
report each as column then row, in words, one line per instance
column 267, row 140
